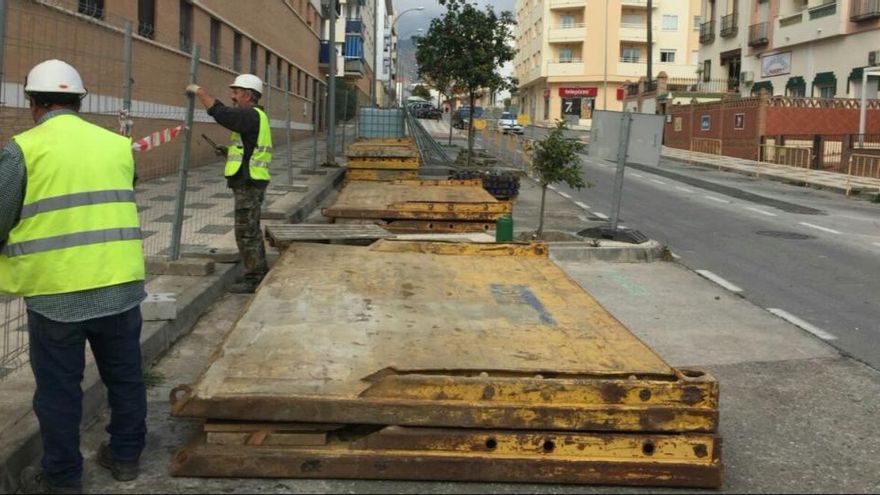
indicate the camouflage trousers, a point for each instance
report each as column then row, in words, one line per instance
column 248, row 235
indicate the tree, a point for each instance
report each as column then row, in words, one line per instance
column 421, row 92
column 556, row 160
column 468, row 46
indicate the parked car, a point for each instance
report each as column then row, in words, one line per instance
column 507, row 124
column 431, row 113
column 461, row 118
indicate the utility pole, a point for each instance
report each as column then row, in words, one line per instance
column 331, row 89
column 375, row 52
column 650, row 40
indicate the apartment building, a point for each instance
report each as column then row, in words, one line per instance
column 574, row 56
column 799, row 48
column 355, row 44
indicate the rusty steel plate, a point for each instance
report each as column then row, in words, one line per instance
column 440, row 334
column 437, row 454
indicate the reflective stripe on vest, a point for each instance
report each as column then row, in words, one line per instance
column 79, row 228
column 260, row 160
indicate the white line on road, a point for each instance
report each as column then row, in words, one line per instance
column 794, row 320
column 636, row 175
column 674, row 256
column 817, row 227
column 601, row 215
column 720, row 281
column 659, row 182
column 762, row 212
column 565, row 195
column 582, row 205
column 684, row 189
column 552, row 188
column 718, row 200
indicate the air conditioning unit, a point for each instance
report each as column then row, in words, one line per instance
column 874, row 58
column 747, row 77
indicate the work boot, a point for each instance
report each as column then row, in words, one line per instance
column 121, row 470
column 246, row 286
column 32, row 481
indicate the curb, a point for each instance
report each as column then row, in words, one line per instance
column 307, row 205
column 608, row 251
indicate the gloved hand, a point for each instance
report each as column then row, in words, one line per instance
column 221, row 150
column 193, row 89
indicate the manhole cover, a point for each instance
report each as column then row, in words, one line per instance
column 784, row 235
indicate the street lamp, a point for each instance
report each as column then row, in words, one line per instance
column 393, row 25
column 866, row 73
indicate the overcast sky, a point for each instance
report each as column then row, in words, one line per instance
column 415, row 20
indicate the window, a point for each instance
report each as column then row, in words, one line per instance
column 147, row 18
column 236, row 52
column 299, row 81
column 826, row 91
column 186, row 25
column 629, row 20
column 215, row 41
column 268, row 68
column 278, row 65
column 707, row 70
column 565, row 55
column 91, row 8
column 796, row 91
column 670, row 23
column 697, row 21
column 667, row 56
column 630, row 55
column 253, row 57
column 566, row 21
column 695, row 57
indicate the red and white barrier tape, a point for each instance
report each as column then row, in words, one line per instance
column 156, row 139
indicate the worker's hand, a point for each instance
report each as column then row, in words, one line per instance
column 192, row 89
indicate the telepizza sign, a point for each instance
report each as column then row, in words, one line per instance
column 578, row 92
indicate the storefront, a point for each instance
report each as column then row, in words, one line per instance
column 578, row 104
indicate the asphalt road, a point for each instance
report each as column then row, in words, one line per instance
column 809, row 256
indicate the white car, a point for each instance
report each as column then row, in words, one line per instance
column 507, row 124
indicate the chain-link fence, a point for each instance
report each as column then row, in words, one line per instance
column 136, row 80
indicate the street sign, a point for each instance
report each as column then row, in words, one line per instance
column 645, row 137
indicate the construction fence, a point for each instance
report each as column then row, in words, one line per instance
column 136, row 82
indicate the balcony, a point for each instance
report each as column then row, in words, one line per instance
column 571, row 67
column 791, row 20
column 758, row 34
column 729, row 25
column 354, row 67
column 634, row 32
column 567, row 4
column 707, row 32
column 827, row 9
column 638, row 3
column 354, row 26
column 575, row 33
column 863, row 10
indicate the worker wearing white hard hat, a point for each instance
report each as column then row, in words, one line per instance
column 74, row 252
column 248, row 158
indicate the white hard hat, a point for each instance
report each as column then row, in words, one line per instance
column 248, row 81
column 54, row 76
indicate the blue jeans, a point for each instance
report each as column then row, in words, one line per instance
column 57, row 354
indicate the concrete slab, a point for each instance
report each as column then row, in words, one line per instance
column 190, row 267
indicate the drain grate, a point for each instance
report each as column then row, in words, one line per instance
column 785, row 235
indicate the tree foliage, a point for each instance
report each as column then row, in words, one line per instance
column 421, row 92
column 466, row 49
column 556, row 160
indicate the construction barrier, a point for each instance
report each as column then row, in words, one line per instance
column 791, row 156
column 861, row 167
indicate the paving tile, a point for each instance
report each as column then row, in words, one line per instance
column 215, row 229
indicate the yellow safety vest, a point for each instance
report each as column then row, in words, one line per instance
column 78, row 228
column 260, row 159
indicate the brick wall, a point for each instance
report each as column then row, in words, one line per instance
column 793, row 120
column 738, row 124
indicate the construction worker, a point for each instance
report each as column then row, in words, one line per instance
column 247, row 169
column 70, row 244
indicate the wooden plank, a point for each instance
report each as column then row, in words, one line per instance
column 282, row 235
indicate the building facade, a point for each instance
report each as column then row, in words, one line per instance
column 797, row 48
column 574, row 56
column 355, row 49
column 89, row 34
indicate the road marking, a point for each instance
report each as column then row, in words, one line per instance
column 817, row 227
column 762, row 212
column 659, row 182
column 636, row 175
column 877, row 244
column 582, row 205
column 684, row 189
column 674, row 256
column 794, row 320
column 552, row 188
column 718, row 200
column 601, row 215
column 565, row 195
column 720, row 281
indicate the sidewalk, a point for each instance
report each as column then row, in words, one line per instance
column 196, row 283
column 821, row 179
